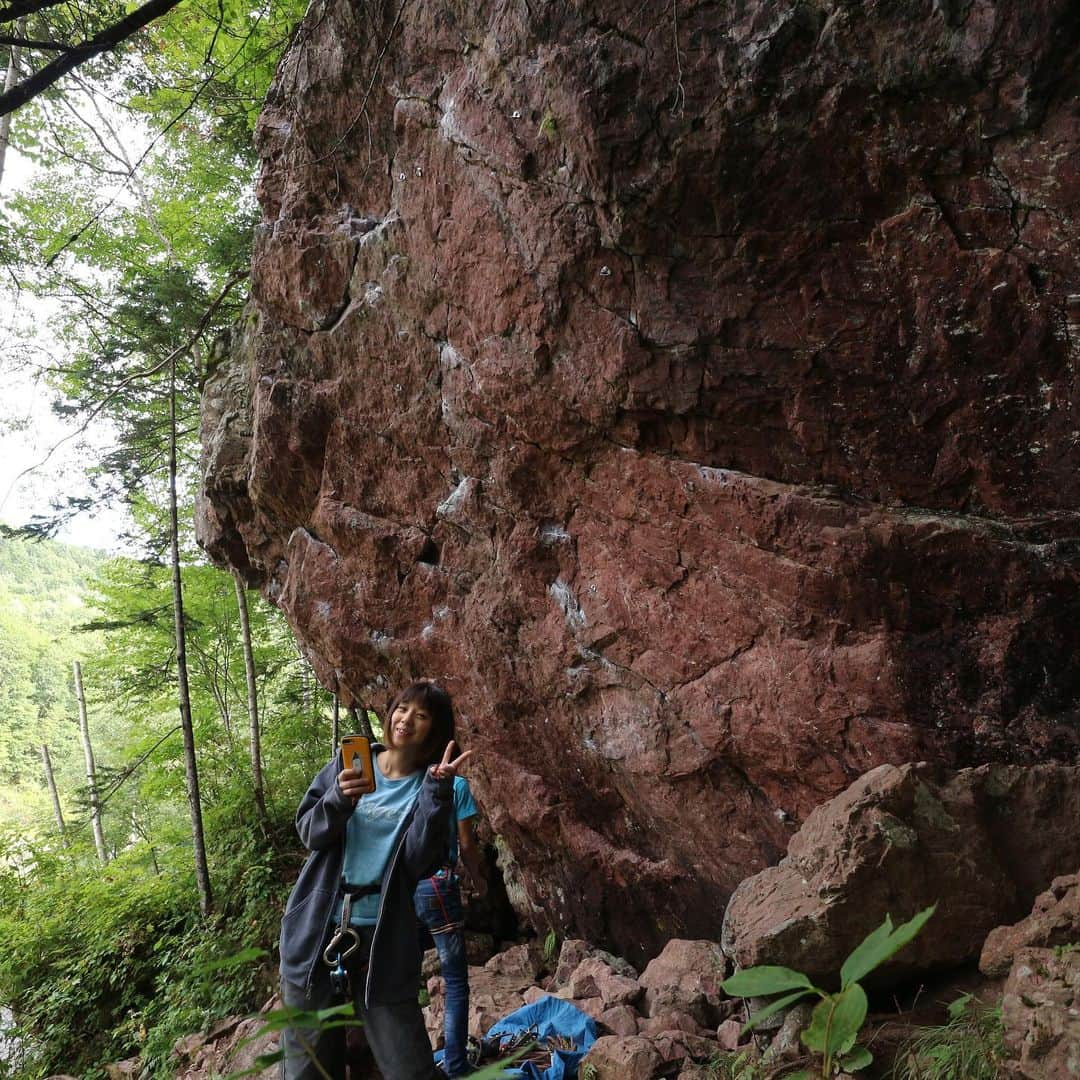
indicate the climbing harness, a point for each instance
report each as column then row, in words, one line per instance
column 345, row 940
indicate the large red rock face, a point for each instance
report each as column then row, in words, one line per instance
column 692, row 388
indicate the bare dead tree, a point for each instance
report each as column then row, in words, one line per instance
column 91, row 771
column 252, row 703
column 50, row 779
column 191, row 768
column 9, row 82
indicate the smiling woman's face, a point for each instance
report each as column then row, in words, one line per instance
column 410, row 725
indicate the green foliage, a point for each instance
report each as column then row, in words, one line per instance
column 101, row 964
column 551, row 945
column 41, row 600
column 838, row 1017
column 114, row 961
column 137, row 226
column 969, row 1045
column 741, row 1065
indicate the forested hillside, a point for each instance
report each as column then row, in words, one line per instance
column 138, row 977
column 43, row 597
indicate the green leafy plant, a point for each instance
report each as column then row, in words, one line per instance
column 551, row 945
column 838, row 1017
column 969, row 1044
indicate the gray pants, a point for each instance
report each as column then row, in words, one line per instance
column 396, row 1033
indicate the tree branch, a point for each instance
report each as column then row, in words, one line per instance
column 108, row 39
column 236, row 277
column 26, row 7
column 17, row 42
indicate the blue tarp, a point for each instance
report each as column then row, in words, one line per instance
column 550, row 1016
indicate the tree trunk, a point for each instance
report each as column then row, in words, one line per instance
column 252, row 704
column 361, row 723
column 307, row 696
column 91, row 772
column 335, row 733
column 191, row 771
column 50, row 779
column 9, row 81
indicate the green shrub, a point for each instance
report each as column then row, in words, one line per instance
column 102, row 963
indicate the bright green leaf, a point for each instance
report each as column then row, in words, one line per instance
column 764, row 980
column 858, row 1058
column 906, row 932
column 958, row 1007
column 772, row 1008
column 835, row 1020
column 866, row 956
column 879, row 945
column 814, row 1034
column 847, row 1018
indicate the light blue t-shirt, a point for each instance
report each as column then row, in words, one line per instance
column 464, row 807
column 371, row 837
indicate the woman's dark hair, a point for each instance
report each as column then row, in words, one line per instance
column 435, row 701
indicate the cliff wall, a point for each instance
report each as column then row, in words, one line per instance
column 691, row 387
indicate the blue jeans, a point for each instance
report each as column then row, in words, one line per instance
column 438, row 906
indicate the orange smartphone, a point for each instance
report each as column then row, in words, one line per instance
column 356, row 754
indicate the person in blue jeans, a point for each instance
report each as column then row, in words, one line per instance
column 438, row 904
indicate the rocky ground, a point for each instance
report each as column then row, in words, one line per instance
column 673, row 1020
column 995, row 847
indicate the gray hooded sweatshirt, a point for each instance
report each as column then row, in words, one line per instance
column 394, row 964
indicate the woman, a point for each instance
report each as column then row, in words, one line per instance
column 369, row 847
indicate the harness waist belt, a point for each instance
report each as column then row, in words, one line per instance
column 361, row 890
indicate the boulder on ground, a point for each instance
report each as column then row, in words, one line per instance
column 667, row 1019
column 594, row 977
column 621, row 1057
column 574, row 951
column 124, row 1070
column 729, row 1035
column 686, row 977
column 786, row 1044
column 619, row 1020
column 1040, row 1011
column 232, row 1045
column 693, row 1071
column 516, row 963
column 1054, row 920
column 591, row 1006
column 682, row 1046
column 981, row 843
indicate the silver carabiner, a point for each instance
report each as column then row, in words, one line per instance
column 335, row 942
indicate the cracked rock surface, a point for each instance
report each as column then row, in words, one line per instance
column 691, row 387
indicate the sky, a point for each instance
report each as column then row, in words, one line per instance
column 31, row 436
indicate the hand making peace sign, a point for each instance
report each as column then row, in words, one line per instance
column 447, row 769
